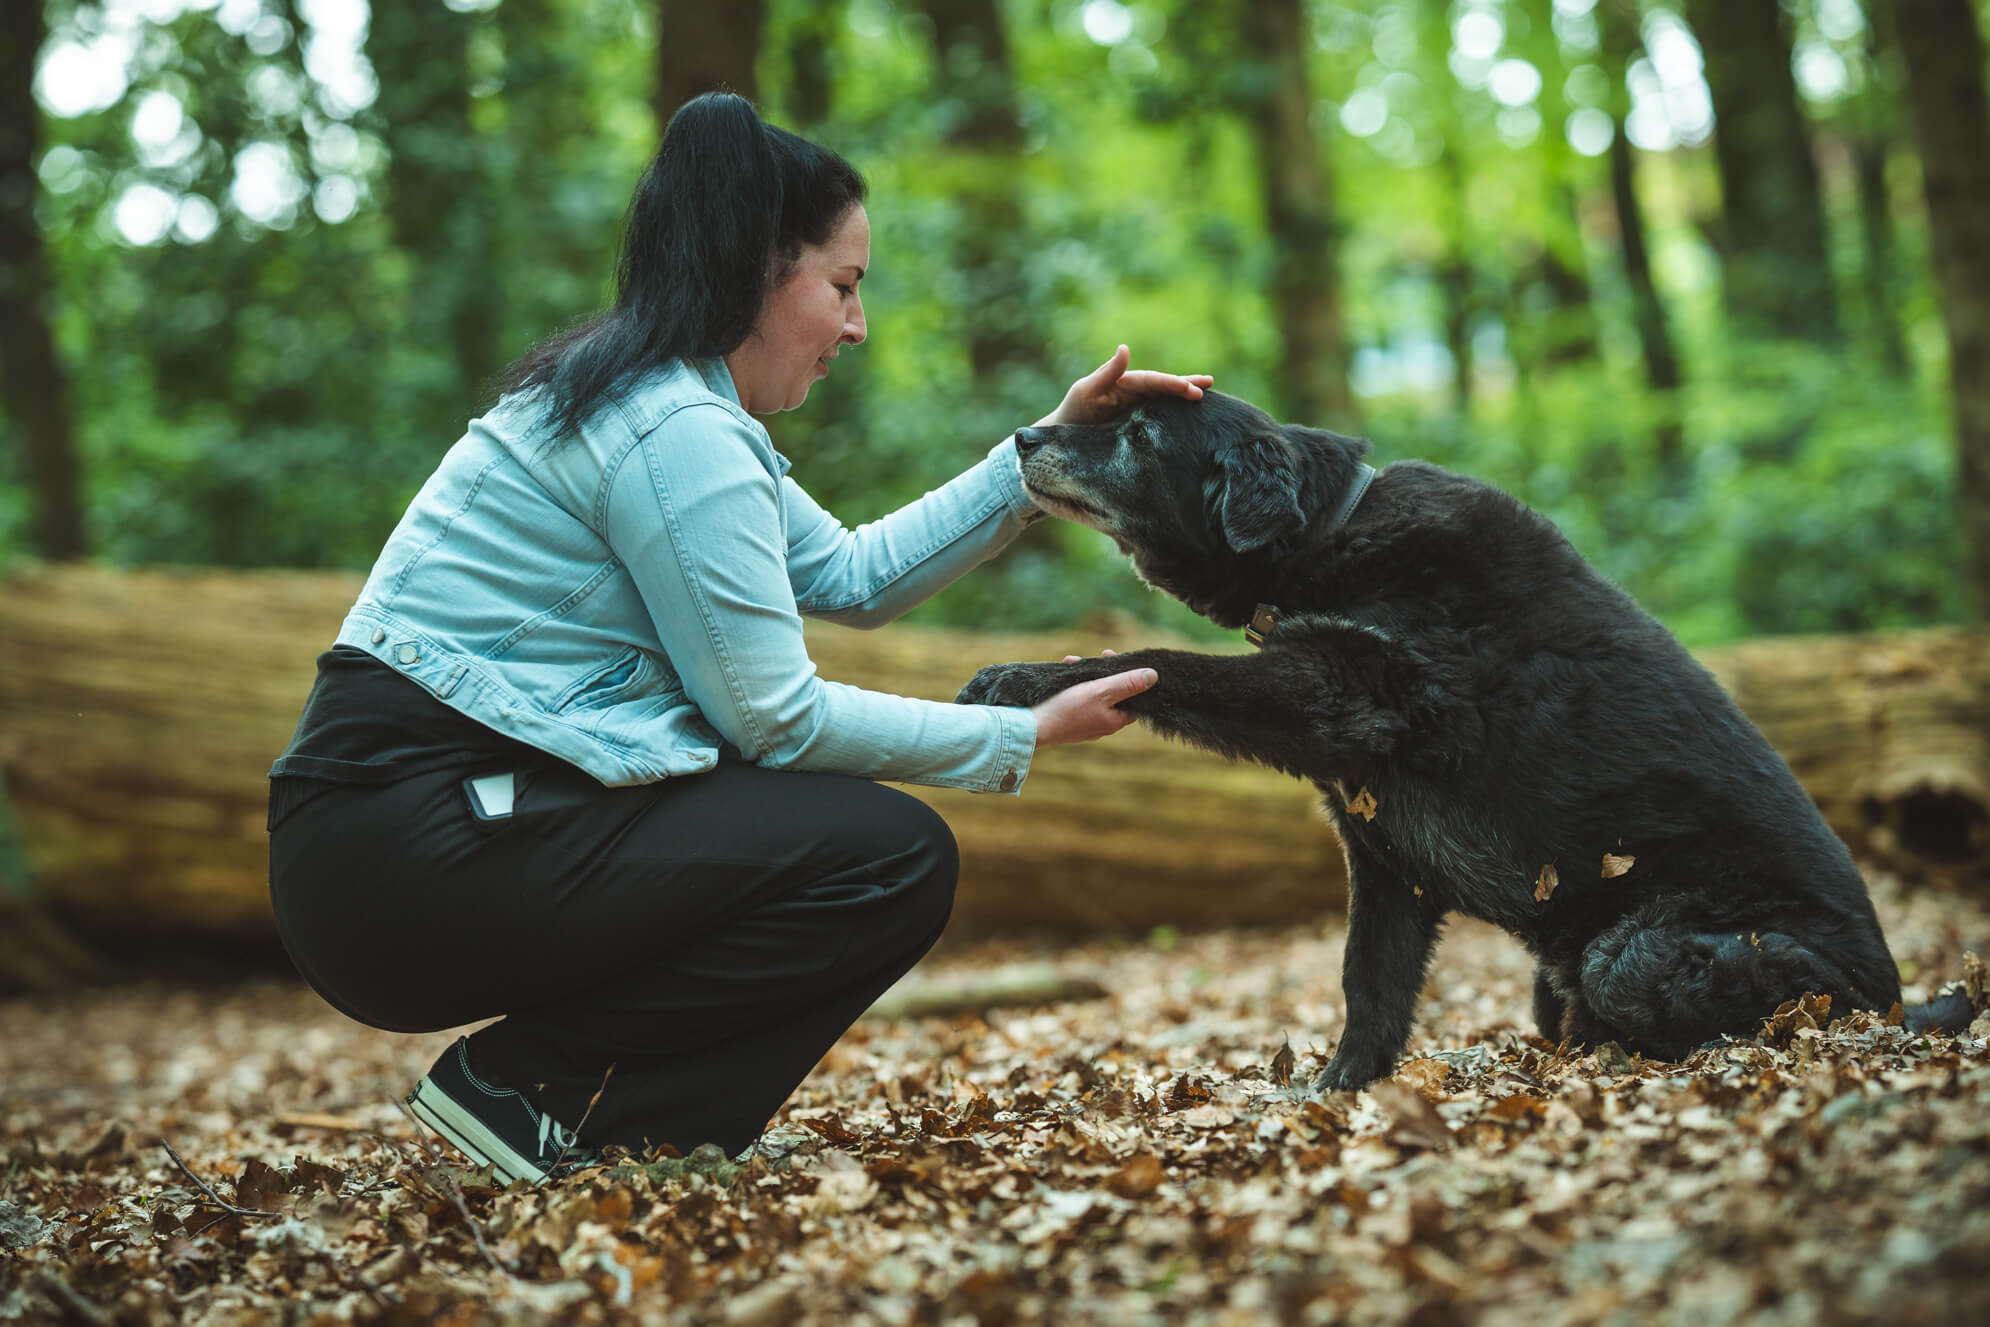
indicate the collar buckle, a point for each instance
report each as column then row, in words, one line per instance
column 1264, row 621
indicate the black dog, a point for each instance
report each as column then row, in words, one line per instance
column 1497, row 730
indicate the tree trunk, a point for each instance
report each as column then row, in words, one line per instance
column 811, row 59
column 139, row 711
column 1570, row 335
column 1890, row 735
column 437, row 201
column 1775, row 265
column 1299, row 219
column 1874, row 118
column 1620, row 40
column 703, row 47
column 34, row 388
column 973, row 75
column 1943, row 50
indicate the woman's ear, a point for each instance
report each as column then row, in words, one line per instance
column 1257, row 503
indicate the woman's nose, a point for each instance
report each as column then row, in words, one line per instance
column 853, row 325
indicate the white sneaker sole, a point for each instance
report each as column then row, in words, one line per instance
column 468, row 1134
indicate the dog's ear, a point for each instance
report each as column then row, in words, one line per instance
column 1257, row 498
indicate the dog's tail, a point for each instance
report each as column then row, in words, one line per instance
column 1956, row 1007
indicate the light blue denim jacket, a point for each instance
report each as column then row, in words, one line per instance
column 629, row 596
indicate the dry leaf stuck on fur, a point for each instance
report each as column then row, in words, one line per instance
column 1546, row 884
column 1363, row 804
column 1615, row 865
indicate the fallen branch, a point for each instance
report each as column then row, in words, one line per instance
column 68, row 1299
column 1020, row 985
column 450, row 1187
column 231, row 1209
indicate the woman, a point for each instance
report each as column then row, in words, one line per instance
column 569, row 763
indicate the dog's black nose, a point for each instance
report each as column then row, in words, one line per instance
column 1028, row 440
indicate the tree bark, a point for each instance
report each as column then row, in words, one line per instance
column 811, row 61
column 1297, row 197
column 1620, row 42
column 1942, row 47
column 437, row 202
column 703, row 47
column 140, row 710
column 1775, row 261
column 1874, row 126
column 1890, row 735
column 1570, row 333
column 34, row 386
column 973, row 73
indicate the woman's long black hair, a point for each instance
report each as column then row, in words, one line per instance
column 718, row 220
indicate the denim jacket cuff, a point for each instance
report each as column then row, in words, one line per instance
column 1014, row 749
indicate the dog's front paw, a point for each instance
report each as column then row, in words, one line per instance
column 1343, row 1075
column 1018, row 684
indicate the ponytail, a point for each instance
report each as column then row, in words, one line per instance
column 718, row 219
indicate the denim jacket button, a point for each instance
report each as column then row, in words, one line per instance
column 1009, row 781
column 408, row 654
column 379, row 634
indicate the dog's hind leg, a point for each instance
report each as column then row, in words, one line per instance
column 1549, row 1003
column 1666, row 990
column 1390, row 932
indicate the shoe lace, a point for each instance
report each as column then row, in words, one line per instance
column 551, row 1132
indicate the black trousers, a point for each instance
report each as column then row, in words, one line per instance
column 710, row 937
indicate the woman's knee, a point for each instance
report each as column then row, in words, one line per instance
column 927, row 865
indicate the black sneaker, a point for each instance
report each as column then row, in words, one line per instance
column 491, row 1124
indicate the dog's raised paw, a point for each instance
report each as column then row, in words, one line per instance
column 1019, row 684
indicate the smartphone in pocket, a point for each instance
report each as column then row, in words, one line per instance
column 492, row 796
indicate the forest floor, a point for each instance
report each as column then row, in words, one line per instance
column 1128, row 1158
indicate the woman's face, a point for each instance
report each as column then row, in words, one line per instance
column 806, row 321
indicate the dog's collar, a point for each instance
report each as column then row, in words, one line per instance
column 1264, row 618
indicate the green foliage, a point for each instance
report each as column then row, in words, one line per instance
column 273, row 392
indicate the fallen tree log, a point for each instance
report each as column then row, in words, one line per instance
column 140, row 709
column 1889, row 734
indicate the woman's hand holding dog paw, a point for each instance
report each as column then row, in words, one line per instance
column 1090, row 709
column 1064, row 713
column 1112, row 388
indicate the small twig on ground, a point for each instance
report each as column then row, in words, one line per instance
column 592, row 1102
column 68, row 1299
column 230, row 1209
column 453, row 1190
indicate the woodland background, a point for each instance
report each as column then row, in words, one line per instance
column 1707, row 282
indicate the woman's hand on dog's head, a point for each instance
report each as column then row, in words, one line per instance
column 1113, row 387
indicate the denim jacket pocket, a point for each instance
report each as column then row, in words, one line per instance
column 630, row 671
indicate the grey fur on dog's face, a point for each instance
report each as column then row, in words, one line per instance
column 1191, row 491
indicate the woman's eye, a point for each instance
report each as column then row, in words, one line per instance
column 846, row 291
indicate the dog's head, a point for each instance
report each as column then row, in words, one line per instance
column 1202, row 495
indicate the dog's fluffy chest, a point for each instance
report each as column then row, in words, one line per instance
column 1432, row 844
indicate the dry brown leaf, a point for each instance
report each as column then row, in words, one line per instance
column 1544, row 887
column 1413, row 1121
column 1364, row 804
column 1615, row 864
column 1426, row 1075
column 1282, row 1065
column 1139, row 1177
